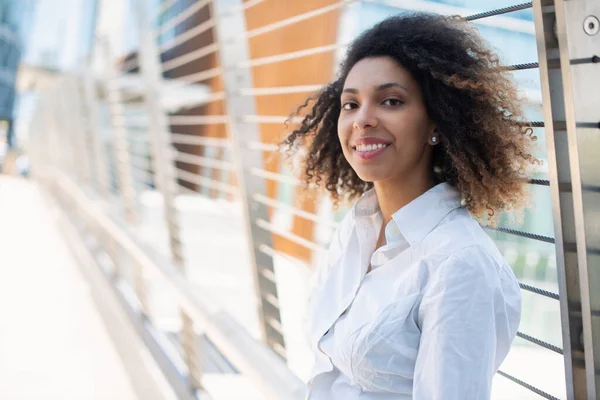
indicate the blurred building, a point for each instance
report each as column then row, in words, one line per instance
column 58, row 40
column 12, row 14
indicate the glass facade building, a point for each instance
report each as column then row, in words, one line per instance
column 58, row 41
column 11, row 45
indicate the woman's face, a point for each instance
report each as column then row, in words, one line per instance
column 383, row 127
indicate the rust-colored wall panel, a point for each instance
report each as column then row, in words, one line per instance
column 311, row 70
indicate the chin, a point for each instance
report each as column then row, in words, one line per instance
column 370, row 176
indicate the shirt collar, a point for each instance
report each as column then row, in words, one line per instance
column 366, row 205
column 419, row 217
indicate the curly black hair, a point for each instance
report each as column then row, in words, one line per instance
column 484, row 148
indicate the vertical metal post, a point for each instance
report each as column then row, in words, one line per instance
column 49, row 118
column 162, row 150
column 122, row 155
column 62, row 131
column 164, row 168
column 562, row 202
column 578, row 33
column 83, row 155
column 61, row 154
column 90, row 107
column 41, row 143
column 189, row 340
column 140, row 287
column 121, row 145
column 88, row 88
column 232, row 51
column 70, row 128
column 37, row 141
column 566, row 48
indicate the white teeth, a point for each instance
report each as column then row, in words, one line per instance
column 370, row 147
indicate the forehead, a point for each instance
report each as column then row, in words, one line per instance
column 374, row 71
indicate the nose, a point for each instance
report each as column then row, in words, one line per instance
column 365, row 119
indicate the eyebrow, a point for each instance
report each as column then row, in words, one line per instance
column 378, row 87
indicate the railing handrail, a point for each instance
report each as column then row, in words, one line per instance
column 251, row 357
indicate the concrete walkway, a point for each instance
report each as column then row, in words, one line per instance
column 53, row 344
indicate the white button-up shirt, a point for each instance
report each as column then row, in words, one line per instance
column 433, row 319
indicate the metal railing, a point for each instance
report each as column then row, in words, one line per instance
column 185, row 118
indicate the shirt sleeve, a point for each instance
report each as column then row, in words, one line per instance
column 466, row 330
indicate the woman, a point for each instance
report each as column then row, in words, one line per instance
column 421, row 127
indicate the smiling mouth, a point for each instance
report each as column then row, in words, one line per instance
column 367, row 152
column 369, row 147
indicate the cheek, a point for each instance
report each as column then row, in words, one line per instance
column 344, row 130
column 411, row 127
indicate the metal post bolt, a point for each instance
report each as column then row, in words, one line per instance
column 591, row 25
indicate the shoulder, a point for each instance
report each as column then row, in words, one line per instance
column 471, row 283
column 460, row 235
column 471, row 260
column 468, row 278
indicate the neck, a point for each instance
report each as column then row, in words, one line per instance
column 392, row 196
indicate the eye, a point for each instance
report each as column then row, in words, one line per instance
column 349, row 105
column 393, row 102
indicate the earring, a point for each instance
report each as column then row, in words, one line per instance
column 434, row 139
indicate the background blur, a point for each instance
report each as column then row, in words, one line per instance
column 164, row 249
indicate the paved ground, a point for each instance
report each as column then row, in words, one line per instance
column 53, row 344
